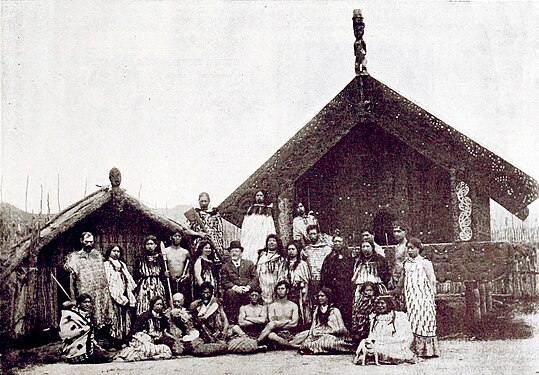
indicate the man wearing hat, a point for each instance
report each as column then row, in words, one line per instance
column 238, row 276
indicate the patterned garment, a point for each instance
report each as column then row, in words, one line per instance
column 150, row 270
column 393, row 337
column 362, row 308
column 205, row 271
column 299, row 227
column 210, row 222
column 270, row 269
column 210, row 320
column 375, row 270
column 300, row 278
column 142, row 348
column 77, row 333
column 419, row 291
column 89, row 273
column 316, row 253
column 329, row 336
column 121, row 286
column 257, row 225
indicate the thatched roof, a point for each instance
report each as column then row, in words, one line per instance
column 66, row 219
column 411, row 124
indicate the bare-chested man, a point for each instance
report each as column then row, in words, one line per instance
column 254, row 316
column 283, row 319
column 178, row 262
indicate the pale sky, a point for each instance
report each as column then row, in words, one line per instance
column 189, row 97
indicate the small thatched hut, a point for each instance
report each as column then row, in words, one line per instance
column 31, row 298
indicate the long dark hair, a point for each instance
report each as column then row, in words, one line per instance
column 107, row 253
column 201, row 245
column 361, row 257
column 279, row 250
column 323, row 317
column 298, row 257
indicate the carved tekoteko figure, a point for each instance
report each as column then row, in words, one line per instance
column 360, row 48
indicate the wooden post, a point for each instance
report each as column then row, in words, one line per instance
column 454, row 205
column 488, row 295
column 471, row 297
column 285, row 214
column 482, row 299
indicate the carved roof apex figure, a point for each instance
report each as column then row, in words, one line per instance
column 115, row 177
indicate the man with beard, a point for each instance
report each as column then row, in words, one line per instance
column 301, row 221
column 336, row 274
column 178, row 261
column 283, row 319
column 208, row 221
column 257, row 225
column 87, row 275
column 238, row 277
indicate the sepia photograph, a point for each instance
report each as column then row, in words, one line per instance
column 270, row 187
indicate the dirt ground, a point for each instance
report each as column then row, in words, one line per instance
column 458, row 357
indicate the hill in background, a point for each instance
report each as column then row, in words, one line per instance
column 175, row 213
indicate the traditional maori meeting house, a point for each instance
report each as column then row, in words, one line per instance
column 113, row 216
column 371, row 157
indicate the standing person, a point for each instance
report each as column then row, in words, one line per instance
column 328, row 334
column 319, row 247
column 149, row 273
column 205, row 268
column 301, row 221
column 179, row 265
column 368, row 235
column 206, row 219
column 400, row 232
column 283, row 319
column 300, row 277
column 336, row 275
column 121, row 287
column 257, row 225
column 371, row 267
column 77, row 333
column 87, row 275
column 419, row 282
column 271, row 267
column 238, row 277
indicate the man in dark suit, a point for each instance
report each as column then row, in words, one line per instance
column 238, row 276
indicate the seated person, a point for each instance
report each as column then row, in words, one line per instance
column 283, row 319
column 392, row 333
column 210, row 320
column 181, row 325
column 237, row 277
column 77, row 332
column 155, row 324
column 328, row 333
column 253, row 317
column 251, row 321
column 141, row 347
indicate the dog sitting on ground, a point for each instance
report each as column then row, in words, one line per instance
column 366, row 347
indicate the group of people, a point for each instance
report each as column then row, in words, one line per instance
column 313, row 295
